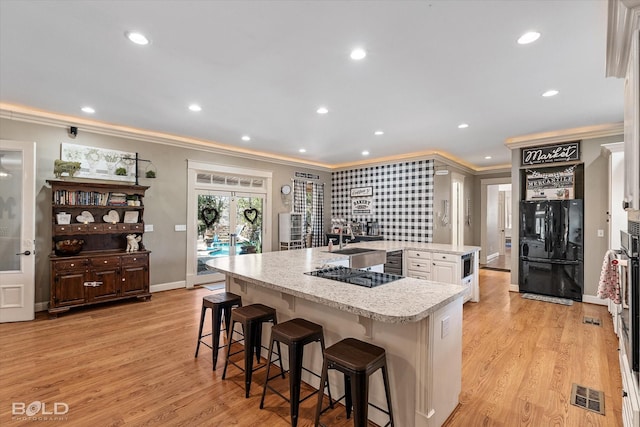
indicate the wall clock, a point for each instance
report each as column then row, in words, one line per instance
column 286, row 189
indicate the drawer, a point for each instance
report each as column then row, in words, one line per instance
column 70, row 265
column 418, row 254
column 393, row 262
column 446, row 257
column 136, row 227
column 105, row 261
column 132, row 260
column 418, row 264
column 424, row 275
column 95, row 227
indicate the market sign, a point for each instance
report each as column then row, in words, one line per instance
column 551, row 154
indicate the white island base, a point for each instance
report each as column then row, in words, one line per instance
column 424, row 356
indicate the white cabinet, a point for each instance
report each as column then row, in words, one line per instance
column 418, row 264
column 290, row 229
column 632, row 125
column 445, row 268
column 630, row 398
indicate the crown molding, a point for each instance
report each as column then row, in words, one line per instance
column 13, row 112
column 623, row 19
column 31, row 115
column 565, row 135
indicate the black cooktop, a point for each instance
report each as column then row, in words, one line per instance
column 368, row 279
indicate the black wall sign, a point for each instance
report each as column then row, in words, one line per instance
column 551, row 154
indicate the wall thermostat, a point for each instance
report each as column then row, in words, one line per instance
column 286, row 189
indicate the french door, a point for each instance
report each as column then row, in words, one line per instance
column 228, row 216
column 17, row 231
column 229, row 223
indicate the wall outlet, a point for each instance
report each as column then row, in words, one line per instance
column 148, row 228
column 180, row 227
column 600, row 233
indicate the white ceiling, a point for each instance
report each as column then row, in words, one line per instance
column 262, row 68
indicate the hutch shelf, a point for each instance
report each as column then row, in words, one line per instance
column 101, row 215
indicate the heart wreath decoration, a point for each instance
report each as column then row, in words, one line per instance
column 251, row 215
column 210, row 216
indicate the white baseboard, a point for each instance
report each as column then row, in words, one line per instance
column 167, row 286
column 595, row 300
column 492, row 256
column 514, row 288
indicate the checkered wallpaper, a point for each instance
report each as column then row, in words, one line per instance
column 402, row 198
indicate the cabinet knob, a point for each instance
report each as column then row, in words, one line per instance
column 123, row 279
column 72, row 265
column 106, row 262
column 624, row 393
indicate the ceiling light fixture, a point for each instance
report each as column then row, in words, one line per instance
column 302, row 150
column 529, row 37
column 358, row 54
column 487, row 157
column 4, row 173
column 137, row 38
column 463, row 126
column 378, row 132
column 549, row 93
column 322, row 110
column 365, row 153
column 88, row 110
column 195, row 108
column 246, row 138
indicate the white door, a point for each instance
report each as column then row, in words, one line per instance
column 17, row 231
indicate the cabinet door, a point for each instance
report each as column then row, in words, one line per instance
column 103, row 284
column 68, row 288
column 443, row 271
column 135, row 275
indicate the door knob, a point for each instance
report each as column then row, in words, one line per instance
column 25, row 253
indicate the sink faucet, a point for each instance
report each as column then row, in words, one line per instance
column 349, row 230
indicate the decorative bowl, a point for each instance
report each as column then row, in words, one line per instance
column 69, row 247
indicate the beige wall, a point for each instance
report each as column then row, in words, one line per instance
column 595, row 210
column 165, row 201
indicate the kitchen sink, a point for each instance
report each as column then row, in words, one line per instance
column 361, row 257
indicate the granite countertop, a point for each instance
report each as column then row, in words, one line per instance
column 405, row 300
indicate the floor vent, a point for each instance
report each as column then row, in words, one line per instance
column 591, row 321
column 587, row 398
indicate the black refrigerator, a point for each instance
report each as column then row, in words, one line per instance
column 551, row 248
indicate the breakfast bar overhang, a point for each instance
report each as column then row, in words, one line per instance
column 418, row 322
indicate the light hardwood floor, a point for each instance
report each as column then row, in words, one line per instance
column 132, row 363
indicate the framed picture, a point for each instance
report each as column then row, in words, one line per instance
column 131, row 217
column 100, row 163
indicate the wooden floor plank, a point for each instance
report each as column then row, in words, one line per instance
column 132, row 363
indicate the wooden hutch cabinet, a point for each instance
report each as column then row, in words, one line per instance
column 103, row 270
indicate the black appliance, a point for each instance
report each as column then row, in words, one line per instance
column 394, row 263
column 551, row 248
column 630, row 316
column 467, row 265
column 368, row 279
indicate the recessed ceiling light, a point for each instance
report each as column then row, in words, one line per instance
column 365, row 153
column 358, row 54
column 246, row 138
column 378, row 132
column 487, row 157
column 549, row 93
column 195, row 107
column 88, row 110
column 463, row 126
column 302, row 150
column 529, row 37
column 137, row 38
column 322, row 110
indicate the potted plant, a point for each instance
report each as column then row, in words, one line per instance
column 121, row 171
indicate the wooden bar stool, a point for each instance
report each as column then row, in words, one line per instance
column 295, row 333
column 357, row 360
column 220, row 305
column 251, row 317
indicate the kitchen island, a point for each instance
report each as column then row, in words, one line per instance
column 418, row 322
